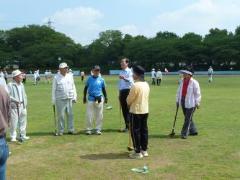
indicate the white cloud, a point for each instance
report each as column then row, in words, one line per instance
column 199, row 17
column 129, row 29
column 80, row 23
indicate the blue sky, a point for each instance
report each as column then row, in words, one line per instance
column 82, row 20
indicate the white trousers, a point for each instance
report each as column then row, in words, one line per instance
column 94, row 111
column 64, row 107
column 18, row 122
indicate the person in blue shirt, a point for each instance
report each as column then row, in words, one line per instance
column 97, row 95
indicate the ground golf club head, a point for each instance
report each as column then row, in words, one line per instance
column 129, row 148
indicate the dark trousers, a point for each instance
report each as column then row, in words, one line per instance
column 3, row 157
column 159, row 82
column 139, row 131
column 188, row 125
column 123, row 102
column 153, row 81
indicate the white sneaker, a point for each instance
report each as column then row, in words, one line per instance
column 136, row 155
column 88, row 132
column 25, row 138
column 13, row 140
column 98, row 132
column 144, row 153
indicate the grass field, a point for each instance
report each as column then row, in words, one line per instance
column 214, row 154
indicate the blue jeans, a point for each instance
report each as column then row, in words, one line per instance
column 3, row 158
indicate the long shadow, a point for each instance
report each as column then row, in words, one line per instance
column 110, row 130
column 40, row 134
column 120, row 155
column 164, row 136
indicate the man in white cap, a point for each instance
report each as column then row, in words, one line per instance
column 153, row 75
column 159, row 77
column 63, row 96
column 18, row 107
column 189, row 97
column 210, row 74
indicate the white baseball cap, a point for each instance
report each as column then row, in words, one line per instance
column 63, row 65
column 186, row 72
column 16, row 73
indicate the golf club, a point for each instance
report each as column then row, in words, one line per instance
column 18, row 113
column 174, row 122
column 130, row 146
column 55, row 120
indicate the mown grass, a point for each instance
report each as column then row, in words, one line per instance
column 214, row 154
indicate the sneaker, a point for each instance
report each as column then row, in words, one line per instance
column 58, row 134
column 88, row 132
column 136, row 155
column 13, row 140
column 72, row 133
column 184, row 137
column 25, row 138
column 193, row 134
column 98, row 132
column 144, row 153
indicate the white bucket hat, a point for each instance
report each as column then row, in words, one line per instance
column 16, row 73
column 63, row 65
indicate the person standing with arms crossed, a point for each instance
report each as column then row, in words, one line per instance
column 4, row 122
column 125, row 84
column 189, row 97
column 138, row 101
column 63, row 96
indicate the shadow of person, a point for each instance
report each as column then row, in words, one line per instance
column 40, row 134
column 120, row 155
column 164, row 136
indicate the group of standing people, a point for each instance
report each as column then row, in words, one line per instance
column 156, row 77
column 133, row 98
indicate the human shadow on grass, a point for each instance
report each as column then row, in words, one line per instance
column 40, row 134
column 164, row 136
column 120, row 155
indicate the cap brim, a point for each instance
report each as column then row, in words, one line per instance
column 185, row 72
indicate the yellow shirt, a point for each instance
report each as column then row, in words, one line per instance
column 138, row 98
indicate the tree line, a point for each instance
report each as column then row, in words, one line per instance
column 35, row 46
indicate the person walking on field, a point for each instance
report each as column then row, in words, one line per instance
column 97, row 95
column 63, row 96
column 159, row 77
column 4, row 123
column 125, row 83
column 153, row 75
column 138, row 101
column 189, row 97
column 18, row 107
column 210, row 74
column 82, row 74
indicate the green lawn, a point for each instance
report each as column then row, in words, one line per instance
column 214, row 154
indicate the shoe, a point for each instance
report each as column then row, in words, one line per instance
column 144, row 153
column 136, row 155
column 193, row 134
column 24, row 138
column 13, row 140
column 98, row 132
column 184, row 137
column 58, row 134
column 72, row 133
column 88, row 132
